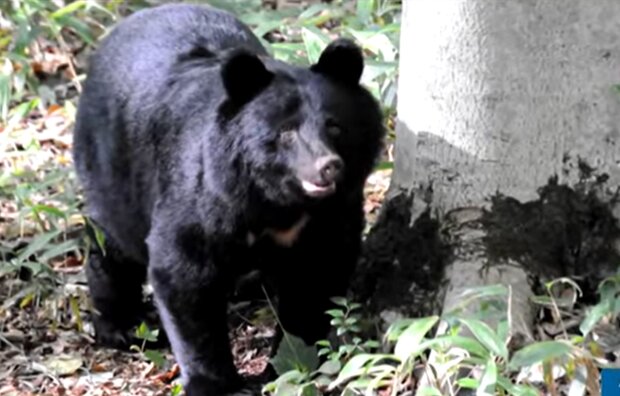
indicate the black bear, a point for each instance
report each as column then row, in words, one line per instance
column 202, row 158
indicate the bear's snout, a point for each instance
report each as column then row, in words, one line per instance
column 330, row 168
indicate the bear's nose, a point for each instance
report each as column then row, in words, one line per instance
column 330, row 168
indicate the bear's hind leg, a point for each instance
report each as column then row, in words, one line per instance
column 115, row 284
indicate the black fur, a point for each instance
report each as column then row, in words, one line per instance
column 191, row 145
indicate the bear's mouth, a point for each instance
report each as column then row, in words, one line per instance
column 317, row 191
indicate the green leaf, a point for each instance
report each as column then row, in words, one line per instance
column 594, row 316
column 144, row 333
column 81, row 28
column 354, row 306
column 538, row 352
column 382, row 376
column 69, row 9
column 176, row 390
column 484, row 291
column 542, row 300
column 5, row 92
column 37, row 243
column 314, row 42
column 20, row 295
column 266, row 27
column 28, row 298
column 75, row 311
column 330, row 367
column 564, row 281
column 516, row 390
column 340, row 301
column 38, row 268
column 99, row 235
column 486, row 336
column 364, row 9
column 156, row 357
column 469, row 344
column 286, row 389
column 503, row 330
column 21, row 111
column 488, row 380
column 323, row 351
column 49, row 210
column 377, row 43
column 289, row 52
column 468, row 383
column 356, row 366
column 396, row 329
column 335, row 313
column 309, row 389
column 58, row 250
column 313, row 11
column 409, row 341
column 428, row 391
column 292, row 377
column 385, row 165
column 286, row 384
column 371, row 344
column 294, row 354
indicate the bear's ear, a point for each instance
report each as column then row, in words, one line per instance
column 341, row 60
column 244, row 75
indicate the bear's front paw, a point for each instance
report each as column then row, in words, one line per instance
column 111, row 336
column 207, row 387
column 246, row 392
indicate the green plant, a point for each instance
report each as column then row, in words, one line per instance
column 176, row 390
column 43, row 228
column 608, row 306
column 345, row 320
column 471, row 352
column 147, row 335
column 34, row 30
column 298, row 364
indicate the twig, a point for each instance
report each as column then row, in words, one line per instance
column 9, row 343
column 65, row 47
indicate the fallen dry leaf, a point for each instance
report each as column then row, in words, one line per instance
column 63, row 364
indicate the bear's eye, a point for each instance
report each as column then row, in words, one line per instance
column 332, row 128
column 287, row 135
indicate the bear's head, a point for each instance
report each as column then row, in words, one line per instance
column 304, row 133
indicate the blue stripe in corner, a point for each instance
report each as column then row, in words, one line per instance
column 610, row 382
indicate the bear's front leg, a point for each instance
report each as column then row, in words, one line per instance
column 188, row 270
column 316, row 268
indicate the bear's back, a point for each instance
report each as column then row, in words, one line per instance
column 139, row 52
column 127, row 84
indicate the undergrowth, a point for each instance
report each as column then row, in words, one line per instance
column 469, row 348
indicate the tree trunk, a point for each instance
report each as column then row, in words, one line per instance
column 506, row 154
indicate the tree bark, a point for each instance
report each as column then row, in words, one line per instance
column 499, row 96
column 506, row 154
